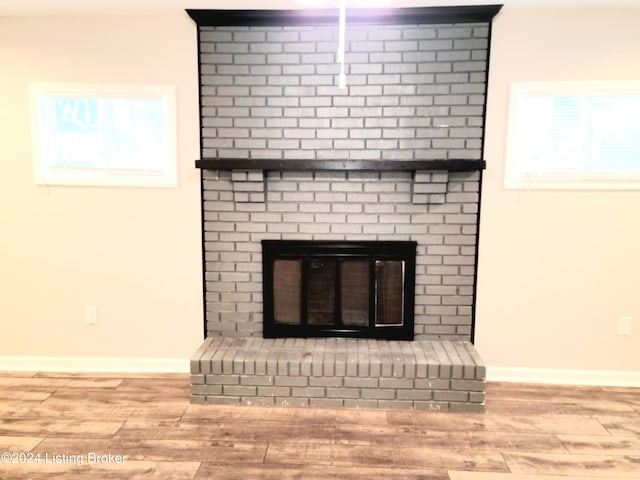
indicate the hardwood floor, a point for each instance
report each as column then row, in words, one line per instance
column 529, row 432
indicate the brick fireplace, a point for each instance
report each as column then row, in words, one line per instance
column 338, row 205
column 395, row 156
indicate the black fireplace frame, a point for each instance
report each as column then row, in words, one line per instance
column 373, row 250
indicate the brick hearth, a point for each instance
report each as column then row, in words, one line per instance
column 339, row 372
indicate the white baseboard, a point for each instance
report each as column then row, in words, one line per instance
column 94, row 364
column 604, row 378
column 181, row 365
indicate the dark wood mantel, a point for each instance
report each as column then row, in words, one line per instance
column 341, row 165
column 415, row 15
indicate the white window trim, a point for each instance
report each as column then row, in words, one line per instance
column 166, row 176
column 569, row 180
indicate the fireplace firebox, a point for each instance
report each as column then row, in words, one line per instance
column 339, row 289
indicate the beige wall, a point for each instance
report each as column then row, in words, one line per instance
column 134, row 253
column 556, row 268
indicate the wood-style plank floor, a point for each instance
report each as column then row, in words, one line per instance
column 529, row 432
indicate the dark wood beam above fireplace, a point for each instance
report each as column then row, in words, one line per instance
column 341, row 165
column 417, row 15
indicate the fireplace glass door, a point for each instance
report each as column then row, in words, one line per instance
column 356, row 289
column 355, row 277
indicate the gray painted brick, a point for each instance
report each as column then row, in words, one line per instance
column 222, row 400
column 454, row 32
column 317, row 35
column 206, row 390
column 342, row 392
column 431, row 406
column 360, row 403
column 481, row 31
column 236, row 390
column 378, row 394
column 247, row 36
column 420, row 395
column 471, row 44
column 291, row 402
column 300, row 47
column 395, row 404
column 326, row 402
column 283, row 36
column 477, row 397
column 256, row 380
column 380, row 122
column 432, row 384
column 400, row 46
column 207, row 35
column 360, row 382
column 419, row 57
column 336, row 381
column 436, row 45
column 274, row 391
column 317, row 80
column 308, row 392
column 373, row 350
column 372, row 46
column 258, row 401
column 317, row 58
column 418, row 32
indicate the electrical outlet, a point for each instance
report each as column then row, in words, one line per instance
column 91, row 315
column 624, row 325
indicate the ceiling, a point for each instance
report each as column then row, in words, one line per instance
column 60, row 7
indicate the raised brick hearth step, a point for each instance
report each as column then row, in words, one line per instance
column 339, row 372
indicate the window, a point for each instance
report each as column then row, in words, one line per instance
column 574, row 135
column 121, row 135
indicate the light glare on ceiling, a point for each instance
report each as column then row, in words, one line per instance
column 372, row 3
column 312, row 3
column 359, row 3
